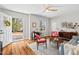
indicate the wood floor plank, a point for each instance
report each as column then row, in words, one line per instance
column 7, row 50
column 15, row 49
column 18, row 48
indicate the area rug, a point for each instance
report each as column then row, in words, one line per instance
column 42, row 50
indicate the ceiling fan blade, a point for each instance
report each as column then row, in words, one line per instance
column 52, row 9
column 48, row 7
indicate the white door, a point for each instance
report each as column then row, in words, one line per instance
column 7, row 29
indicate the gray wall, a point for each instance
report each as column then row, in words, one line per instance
column 24, row 17
column 74, row 18
column 37, row 19
column 27, row 21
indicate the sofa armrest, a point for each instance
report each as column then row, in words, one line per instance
column 61, row 49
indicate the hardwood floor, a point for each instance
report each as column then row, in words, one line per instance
column 18, row 48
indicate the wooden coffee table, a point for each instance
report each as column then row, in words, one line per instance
column 58, row 40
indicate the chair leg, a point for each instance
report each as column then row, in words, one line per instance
column 46, row 44
column 57, row 45
column 37, row 46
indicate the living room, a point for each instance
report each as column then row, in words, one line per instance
column 61, row 19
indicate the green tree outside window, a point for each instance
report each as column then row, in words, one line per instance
column 16, row 25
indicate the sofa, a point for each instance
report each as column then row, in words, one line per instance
column 71, row 47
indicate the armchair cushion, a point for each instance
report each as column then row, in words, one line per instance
column 74, row 40
column 54, row 33
column 41, row 40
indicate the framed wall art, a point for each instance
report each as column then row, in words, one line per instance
column 34, row 24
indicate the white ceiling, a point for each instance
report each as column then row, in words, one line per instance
column 38, row 9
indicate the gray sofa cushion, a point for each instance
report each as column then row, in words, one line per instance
column 74, row 40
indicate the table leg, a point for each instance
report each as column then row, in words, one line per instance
column 57, row 45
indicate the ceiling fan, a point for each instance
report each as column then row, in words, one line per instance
column 50, row 8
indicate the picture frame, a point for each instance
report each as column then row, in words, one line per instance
column 64, row 24
column 34, row 24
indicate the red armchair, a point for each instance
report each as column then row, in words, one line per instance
column 54, row 35
column 39, row 40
